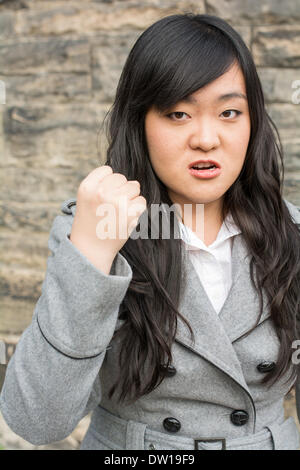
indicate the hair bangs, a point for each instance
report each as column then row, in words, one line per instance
column 195, row 57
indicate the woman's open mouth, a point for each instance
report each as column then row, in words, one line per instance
column 205, row 170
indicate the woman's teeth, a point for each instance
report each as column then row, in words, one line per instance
column 204, row 168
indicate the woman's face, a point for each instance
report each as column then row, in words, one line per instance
column 208, row 127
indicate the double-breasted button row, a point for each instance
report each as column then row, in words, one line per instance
column 238, row 417
column 266, row 366
column 170, row 424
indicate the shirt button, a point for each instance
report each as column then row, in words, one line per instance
column 265, row 366
column 171, row 424
column 239, row 417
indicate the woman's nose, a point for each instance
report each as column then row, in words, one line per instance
column 204, row 136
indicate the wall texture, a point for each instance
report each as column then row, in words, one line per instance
column 59, row 66
column 60, row 63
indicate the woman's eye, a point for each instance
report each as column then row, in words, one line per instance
column 232, row 110
column 177, row 114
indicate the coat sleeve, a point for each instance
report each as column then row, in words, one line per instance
column 294, row 211
column 52, row 379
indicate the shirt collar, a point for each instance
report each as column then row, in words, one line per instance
column 228, row 229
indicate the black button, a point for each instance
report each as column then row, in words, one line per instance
column 171, row 424
column 169, row 371
column 239, row 417
column 266, row 366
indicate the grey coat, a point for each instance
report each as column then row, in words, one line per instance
column 65, row 363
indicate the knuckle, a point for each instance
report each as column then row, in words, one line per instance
column 101, row 170
column 102, row 193
column 105, row 172
column 135, row 185
column 84, row 188
column 142, row 201
column 120, row 176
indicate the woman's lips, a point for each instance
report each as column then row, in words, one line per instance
column 205, row 174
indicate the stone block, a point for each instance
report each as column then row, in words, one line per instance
column 245, row 33
column 292, row 188
column 255, row 11
column 41, row 55
column 75, row 18
column 109, row 54
column 290, row 139
column 32, row 185
column 280, row 87
column 7, row 23
column 20, row 283
column 47, row 87
column 16, row 217
column 16, row 315
column 276, row 46
column 25, row 249
column 54, row 137
column 285, row 116
column 13, row 5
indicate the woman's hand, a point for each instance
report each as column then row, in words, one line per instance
column 108, row 205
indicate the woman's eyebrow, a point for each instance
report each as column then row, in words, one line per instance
column 225, row 97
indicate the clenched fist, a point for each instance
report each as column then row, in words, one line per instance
column 107, row 210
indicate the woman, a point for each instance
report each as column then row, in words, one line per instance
column 183, row 342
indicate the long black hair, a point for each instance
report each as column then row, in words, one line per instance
column 173, row 58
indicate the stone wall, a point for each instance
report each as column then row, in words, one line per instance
column 60, row 62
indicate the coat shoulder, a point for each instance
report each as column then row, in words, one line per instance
column 294, row 211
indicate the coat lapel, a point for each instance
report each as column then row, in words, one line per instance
column 214, row 333
column 241, row 308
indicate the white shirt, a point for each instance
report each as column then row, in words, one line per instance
column 213, row 262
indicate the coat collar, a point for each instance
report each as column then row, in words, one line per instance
column 215, row 333
column 192, row 241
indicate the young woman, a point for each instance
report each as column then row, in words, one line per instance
column 184, row 342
